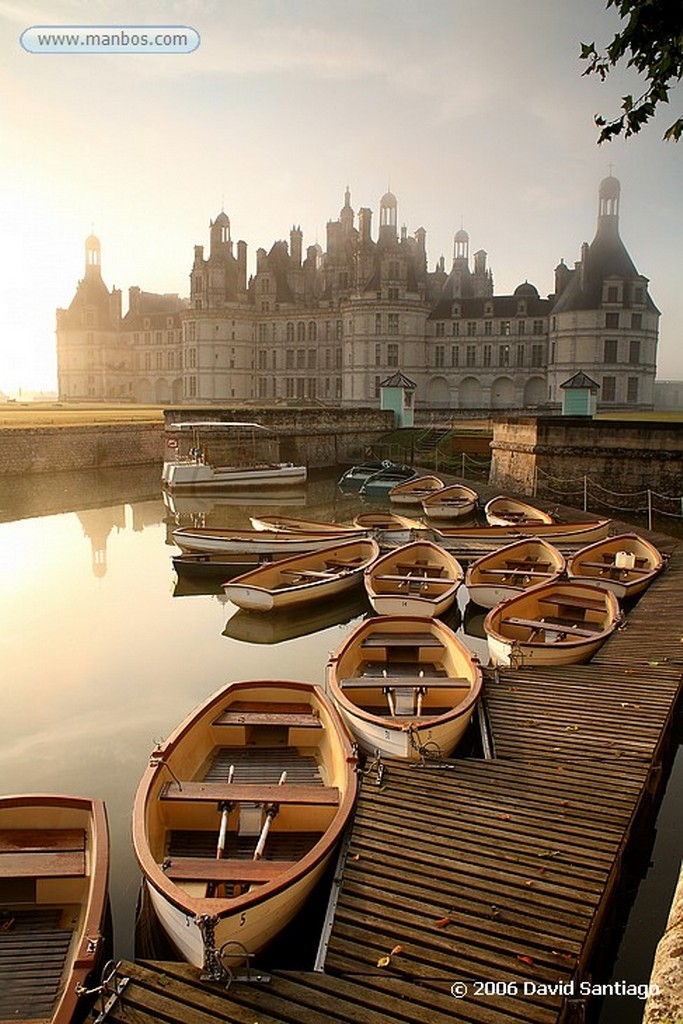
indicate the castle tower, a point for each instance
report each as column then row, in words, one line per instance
column 388, row 210
column 93, row 257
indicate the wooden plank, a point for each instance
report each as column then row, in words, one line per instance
column 219, row 792
column 554, row 627
column 566, row 601
column 389, row 682
column 401, row 640
column 36, row 840
column 54, row 864
column 292, row 721
column 205, row 869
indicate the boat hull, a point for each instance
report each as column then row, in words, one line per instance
column 293, row 582
column 453, row 502
column 626, row 565
column 199, row 476
column 511, row 570
column 491, row 537
column 414, row 491
column 360, row 690
column 418, row 579
column 205, row 805
column 191, row 539
column 79, row 890
column 505, row 511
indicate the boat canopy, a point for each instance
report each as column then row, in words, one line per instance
column 214, row 424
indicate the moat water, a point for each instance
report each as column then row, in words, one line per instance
column 104, row 651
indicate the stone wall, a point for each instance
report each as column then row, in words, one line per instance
column 312, row 437
column 621, row 455
column 48, row 449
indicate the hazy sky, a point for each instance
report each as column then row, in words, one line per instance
column 474, row 112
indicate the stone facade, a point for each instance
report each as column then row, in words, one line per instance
column 326, row 327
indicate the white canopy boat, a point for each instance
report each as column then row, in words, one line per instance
column 193, row 470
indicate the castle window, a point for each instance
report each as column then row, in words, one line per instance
column 611, row 320
column 262, row 330
column 147, row 338
column 301, row 359
column 632, row 389
column 636, row 321
column 265, row 286
column 337, row 359
column 312, row 358
column 504, row 355
column 392, row 354
column 339, row 330
column 312, row 388
column 392, row 294
column 301, row 331
column 262, row 360
column 378, row 355
column 440, row 329
column 488, row 309
column 289, row 387
column 455, row 310
column 289, row 359
column 148, row 360
column 505, row 327
column 610, row 350
column 290, row 332
column 170, row 360
column 136, row 339
column 440, row 356
column 169, row 337
column 158, row 338
column 537, row 327
column 520, row 355
column 612, row 293
column 487, row 355
column 377, row 379
column 471, row 355
column 160, row 360
column 521, row 327
column 537, row 355
column 638, row 296
column 609, row 389
column 392, row 323
column 471, row 328
column 634, row 350
column 488, row 327
column 455, row 355
column 312, row 331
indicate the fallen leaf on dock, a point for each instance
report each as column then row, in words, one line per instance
column 442, row 922
column 384, row 961
column 550, row 853
column 526, row 960
column 396, row 950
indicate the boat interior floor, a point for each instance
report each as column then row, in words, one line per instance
column 287, row 846
column 264, row 765
column 33, row 953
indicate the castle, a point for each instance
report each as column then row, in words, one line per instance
column 329, row 326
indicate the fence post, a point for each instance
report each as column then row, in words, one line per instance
column 462, row 465
column 585, row 493
column 649, row 509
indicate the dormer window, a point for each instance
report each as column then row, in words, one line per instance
column 455, row 309
column 488, row 309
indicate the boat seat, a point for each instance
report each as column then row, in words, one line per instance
column 553, row 627
column 512, row 572
column 220, row 792
column 312, row 574
column 401, row 640
column 611, row 567
column 391, row 682
column 562, row 601
column 207, row 869
column 37, row 853
column 298, row 716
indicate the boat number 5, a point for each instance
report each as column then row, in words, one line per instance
column 243, row 920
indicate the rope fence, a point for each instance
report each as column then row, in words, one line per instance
column 592, row 495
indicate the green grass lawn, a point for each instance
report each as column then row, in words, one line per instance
column 23, row 415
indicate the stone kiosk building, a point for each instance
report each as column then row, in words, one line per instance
column 329, row 326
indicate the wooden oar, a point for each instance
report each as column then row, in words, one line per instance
column 272, row 811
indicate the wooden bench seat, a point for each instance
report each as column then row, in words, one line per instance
column 390, row 682
column 206, row 869
column 513, row 572
column 37, row 853
column 554, row 627
column 401, row 640
column 422, row 580
column 220, row 792
column 611, row 567
column 298, row 714
column 563, row 601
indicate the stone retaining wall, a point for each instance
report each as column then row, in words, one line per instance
column 48, row 449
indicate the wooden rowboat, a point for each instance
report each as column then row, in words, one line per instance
column 475, row 538
column 238, row 814
column 420, row 578
column 559, row 623
column 380, row 483
column 295, row 581
column 219, row 567
column 513, row 569
column 451, row 502
column 405, row 686
column 255, row 543
column 54, row 867
column 505, row 511
column 625, row 564
column 413, row 491
column 354, row 477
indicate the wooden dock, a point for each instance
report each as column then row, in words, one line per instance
column 479, row 872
